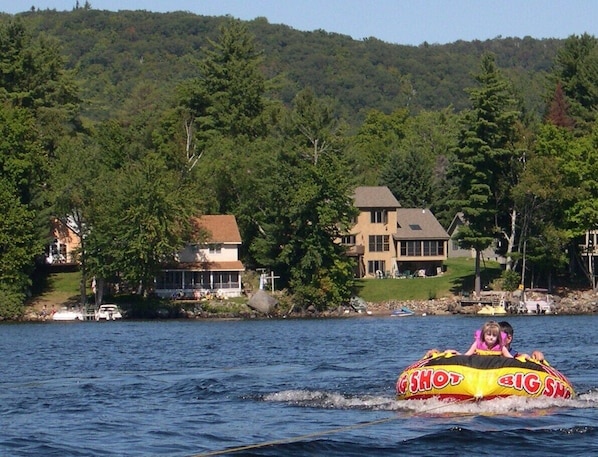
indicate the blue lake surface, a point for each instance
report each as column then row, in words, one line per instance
column 278, row 388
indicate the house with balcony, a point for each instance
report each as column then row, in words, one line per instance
column 208, row 268
column 390, row 241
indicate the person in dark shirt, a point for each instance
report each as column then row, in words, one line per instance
column 507, row 329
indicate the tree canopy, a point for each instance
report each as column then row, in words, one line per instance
column 129, row 124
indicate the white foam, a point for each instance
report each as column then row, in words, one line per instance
column 515, row 406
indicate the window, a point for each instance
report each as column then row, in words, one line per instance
column 414, row 248
column 411, row 248
column 378, row 216
column 226, row 280
column 197, row 280
column 376, row 265
column 433, row 248
column 169, row 280
column 379, row 243
column 215, row 248
column 348, row 240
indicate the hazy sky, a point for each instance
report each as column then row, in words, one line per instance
column 393, row 21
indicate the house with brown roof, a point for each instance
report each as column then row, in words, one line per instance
column 208, row 268
column 390, row 241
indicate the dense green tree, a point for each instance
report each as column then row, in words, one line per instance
column 377, row 139
column 74, row 176
column 23, row 230
column 416, row 170
column 576, row 70
column 408, row 175
column 230, row 77
column 486, row 161
column 307, row 207
column 542, row 196
column 32, row 77
column 22, row 159
column 141, row 218
column 18, row 249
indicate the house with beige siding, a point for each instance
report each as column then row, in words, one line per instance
column 208, row 268
column 65, row 242
column 390, row 241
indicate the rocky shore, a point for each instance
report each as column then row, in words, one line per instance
column 567, row 303
column 573, row 302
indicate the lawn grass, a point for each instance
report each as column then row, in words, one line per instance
column 60, row 288
column 459, row 276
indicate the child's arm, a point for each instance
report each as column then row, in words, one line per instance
column 506, row 353
column 471, row 350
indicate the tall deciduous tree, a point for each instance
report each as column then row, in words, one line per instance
column 487, row 161
column 542, row 196
column 141, row 218
column 308, row 207
column 75, row 173
column 18, row 248
column 377, row 139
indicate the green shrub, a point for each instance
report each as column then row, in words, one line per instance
column 510, row 280
column 11, row 303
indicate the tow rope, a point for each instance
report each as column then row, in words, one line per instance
column 330, row 431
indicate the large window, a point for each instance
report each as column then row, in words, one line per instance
column 378, row 216
column 376, row 265
column 197, row 280
column 169, row 280
column 226, row 280
column 430, row 248
column 379, row 243
column 433, row 248
column 411, row 248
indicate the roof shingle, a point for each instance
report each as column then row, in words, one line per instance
column 418, row 224
column 375, row 197
column 221, row 228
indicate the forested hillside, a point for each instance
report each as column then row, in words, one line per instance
column 116, row 53
column 127, row 125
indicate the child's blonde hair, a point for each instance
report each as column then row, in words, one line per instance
column 493, row 328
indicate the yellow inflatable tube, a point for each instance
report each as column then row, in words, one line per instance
column 447, row 375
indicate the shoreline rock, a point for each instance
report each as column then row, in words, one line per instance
column 572, row 303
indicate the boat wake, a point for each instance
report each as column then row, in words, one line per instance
column 509, row 406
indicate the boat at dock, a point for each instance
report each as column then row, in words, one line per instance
column 65, row 314
column 108, row 312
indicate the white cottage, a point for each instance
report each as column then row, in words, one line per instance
column 209, row 268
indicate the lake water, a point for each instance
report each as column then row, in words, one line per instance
column 278, row 388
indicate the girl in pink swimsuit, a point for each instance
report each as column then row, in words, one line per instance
column 489, row 341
